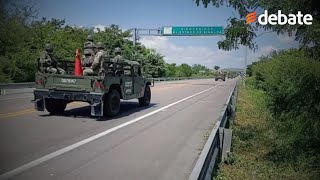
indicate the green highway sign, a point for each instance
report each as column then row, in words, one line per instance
column 192, row 31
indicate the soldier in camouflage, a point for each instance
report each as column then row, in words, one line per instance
column 48, row 64
column 98, row 58
column 87, row 58
column 88, row 49
column 118, row 56
column 89, row 42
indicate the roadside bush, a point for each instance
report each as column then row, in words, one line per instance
column 255, row 141
column 292, row 82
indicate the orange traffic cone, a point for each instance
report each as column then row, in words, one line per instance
column 77, row 64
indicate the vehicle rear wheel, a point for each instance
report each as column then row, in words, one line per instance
column 145, row 100
column 55, row 106
column 112, row 103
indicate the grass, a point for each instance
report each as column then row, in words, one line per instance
column 253, row 143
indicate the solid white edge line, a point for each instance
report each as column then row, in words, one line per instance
column 92, row 138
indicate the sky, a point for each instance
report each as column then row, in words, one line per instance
column 155, row 14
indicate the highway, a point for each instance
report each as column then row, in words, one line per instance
column 162, row 141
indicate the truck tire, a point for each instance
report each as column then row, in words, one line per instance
column 112, row 103
column 55, row 106
column 145, row 100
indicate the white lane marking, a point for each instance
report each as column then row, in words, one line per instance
column 92, row 138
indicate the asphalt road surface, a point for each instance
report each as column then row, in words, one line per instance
column 162, row 141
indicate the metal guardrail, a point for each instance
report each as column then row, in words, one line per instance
column 5, row 86
column 17, row 85
column 212, row 153
column 178, row 78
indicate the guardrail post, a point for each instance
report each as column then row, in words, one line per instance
column 226, row 147
column 221, row 138
column 3, row 92
column 233, row 106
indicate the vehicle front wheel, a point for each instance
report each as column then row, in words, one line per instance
column 55, row 106
column 112, row 103
column 145, row 100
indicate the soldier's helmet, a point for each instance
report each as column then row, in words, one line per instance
column 48, row 47
column 88, row 46
column 117, row 50
column 100, row 45
column 90, row 38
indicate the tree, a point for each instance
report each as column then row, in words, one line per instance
column 15, row 38
column 200, row 70
column 216, row 68
column 171, row 70
column 184, row 70
column 22, row 38
column 154, row 64
column 239, row 33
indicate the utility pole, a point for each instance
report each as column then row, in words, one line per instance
column 245, row 65
column 135, row 38
column 136, row 33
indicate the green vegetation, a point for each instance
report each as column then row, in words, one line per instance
column 255, row 144
column 277, row 131
column 291, row 81
column 23, row 36
column 184, row 70
column 277, row 128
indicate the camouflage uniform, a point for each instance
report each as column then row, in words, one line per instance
column 98, row 58
column 118, row 58
column 89, row 42
column 87, row 58
column 48, row 64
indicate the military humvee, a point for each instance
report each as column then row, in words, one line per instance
column 102, row 91
column 220, row 75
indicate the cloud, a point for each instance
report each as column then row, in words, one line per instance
column 286, row 39
column 193, row 54
column 102, row 28
column 206, row 55
column 77, row 27
column 210, row 56
column 99, row 27
column 263, row 51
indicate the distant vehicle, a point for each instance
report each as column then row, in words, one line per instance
column 220, row 75
column 103, row 92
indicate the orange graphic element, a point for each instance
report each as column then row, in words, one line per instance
column 251, row 17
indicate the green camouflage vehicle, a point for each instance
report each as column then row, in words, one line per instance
column 103, row 91
column 220, row 75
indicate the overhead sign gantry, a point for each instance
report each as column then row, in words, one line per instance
column 192, row 31
column 179, row 31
